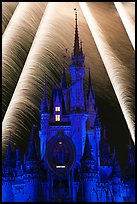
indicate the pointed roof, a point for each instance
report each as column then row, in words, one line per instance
column 32, row 153
column 88, row 151
column 44, row 101
column 63, row 80
column 76, row 40
column 10, row 155
column 131, row 160
column 90, row 90
column 130, row 165
column 105, row 146
column 115, row 166
column 58, row 98
column 18, row 155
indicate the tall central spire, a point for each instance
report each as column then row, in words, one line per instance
column 76, row 41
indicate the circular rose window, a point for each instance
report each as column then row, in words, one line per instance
column 60, row 153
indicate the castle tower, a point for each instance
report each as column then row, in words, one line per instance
column 97, row 139
column 32, row 175
column 45, row 116
column 8, row 175
column 130, row 173
column 77, row 114
column 105, row 151
column 77, row 71
column 64, row 88
column 88, row 175
column 116, row 180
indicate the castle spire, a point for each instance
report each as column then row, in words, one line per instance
column 88, row 151
column 130, row 165
column 90, row 90
column 76, row 41
column 87, row 160
column 32, row 153
column 116, row 166
column 63, row 80
column 44, row 102
column 10, row 155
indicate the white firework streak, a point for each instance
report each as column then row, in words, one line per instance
column 8, row 9
column 112, row 64
column 16, row 42
column 127, row 22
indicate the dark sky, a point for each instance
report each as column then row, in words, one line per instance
column 56, row 33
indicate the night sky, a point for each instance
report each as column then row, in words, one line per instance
column 34, row 46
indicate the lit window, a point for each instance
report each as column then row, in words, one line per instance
column 57, row 108
column 60, row 167
column 57, row 117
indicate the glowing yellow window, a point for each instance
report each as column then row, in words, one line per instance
column 57, row 117
column 57, row 108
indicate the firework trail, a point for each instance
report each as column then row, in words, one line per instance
column 8, row 9
column 16, row 42
column 127, row 22
column 114, row 68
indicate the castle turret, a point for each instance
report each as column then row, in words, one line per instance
column 116, row 179
column 116, row 173
column 97, row 139
column 32, row 173
column 45, row 116
column 32, row 153
column 8, row 173
column 18, row 159
column 130, row 173
column 105, row 151
column 88, row 174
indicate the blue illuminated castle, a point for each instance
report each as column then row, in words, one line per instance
column 69, row 166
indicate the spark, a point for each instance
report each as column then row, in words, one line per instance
column 113, row 66
column 127, row 22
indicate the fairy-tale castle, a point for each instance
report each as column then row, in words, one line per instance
column 70, row 166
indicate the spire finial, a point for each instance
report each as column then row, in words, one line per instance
column 76, row 41
column 75, row 14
